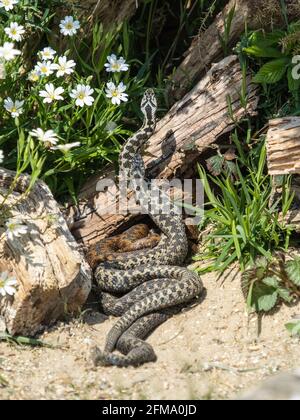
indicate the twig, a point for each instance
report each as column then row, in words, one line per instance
column 172, row 338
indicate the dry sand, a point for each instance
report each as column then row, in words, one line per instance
column 211, row 351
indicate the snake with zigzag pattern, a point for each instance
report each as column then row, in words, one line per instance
column 147, row 287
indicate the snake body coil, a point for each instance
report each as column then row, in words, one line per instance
column 151, row 283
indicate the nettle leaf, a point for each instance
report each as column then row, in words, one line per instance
column 215, row 164
column 285, row 294
column 272, row 282
column 293, row 271
column 273, row 71
column 264, row 297
column 293, row 327
column 230, row 168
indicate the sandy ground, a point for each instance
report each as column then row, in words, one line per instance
column 211, row 351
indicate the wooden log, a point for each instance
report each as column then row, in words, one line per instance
column 283, row 146
column 189, row 129
column 52, row 275
column 108, row 12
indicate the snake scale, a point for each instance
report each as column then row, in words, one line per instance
column 147, row 287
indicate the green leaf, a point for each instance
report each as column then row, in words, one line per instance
column 24, row 340
column 264, row 298
column 263, row 39
column 230, row 168
column 293, row 327
column 285, row 294
column 271, row 281
column 215, row 164
column 293, row 271
column 263, row 52
column 294, row 84
column 272, row 72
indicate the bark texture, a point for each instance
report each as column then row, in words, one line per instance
column 283, row 146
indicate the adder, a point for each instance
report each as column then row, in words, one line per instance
column 147, row 287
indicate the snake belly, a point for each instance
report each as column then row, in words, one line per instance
column 150, row 286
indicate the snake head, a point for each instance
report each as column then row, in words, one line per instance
column 149, row 103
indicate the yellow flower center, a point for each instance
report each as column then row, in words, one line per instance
column 115, row 93
column 6, row 2
column 11, row 226
column 69, row 25
column 116, row 66
column 14, row 31
column 81, row 96
column 14, row 109
column 2, row 283
column 34, row 77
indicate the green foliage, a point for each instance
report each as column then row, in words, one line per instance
column 273, row 52
column 222, row 164
column 293, row 271
column 225, row 38
column 23, row 341
column 242, row 223
column 151, row 55
column 268, row 281
column 293, row 327
column 64, row 171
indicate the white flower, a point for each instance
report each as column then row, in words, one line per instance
column 7, row 284
column 14, row 227
column 14, row 107
column 15, row 31
column 69, row 26
column 82, row 94
column 116, row 93
column 1, row 156
column 8, row 52
column 48, row 136
column 8, row 4
column 64, row 66
column 45, row 68
column 115, row 64
column 51, row 93
column 34, row 75
column 66, row 147
column 47, row 53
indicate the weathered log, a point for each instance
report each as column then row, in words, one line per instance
column 188, row 129
column 52, row 275
column 206, row 48
column 108, row 12
column 283, row 146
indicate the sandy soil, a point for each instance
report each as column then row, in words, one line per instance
column 211, row 351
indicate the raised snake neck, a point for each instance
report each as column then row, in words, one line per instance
column 156, row 286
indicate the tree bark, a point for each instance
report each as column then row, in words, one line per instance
column 283, row 146
column 189, row 129
column 53, row 276
column 108, row 12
